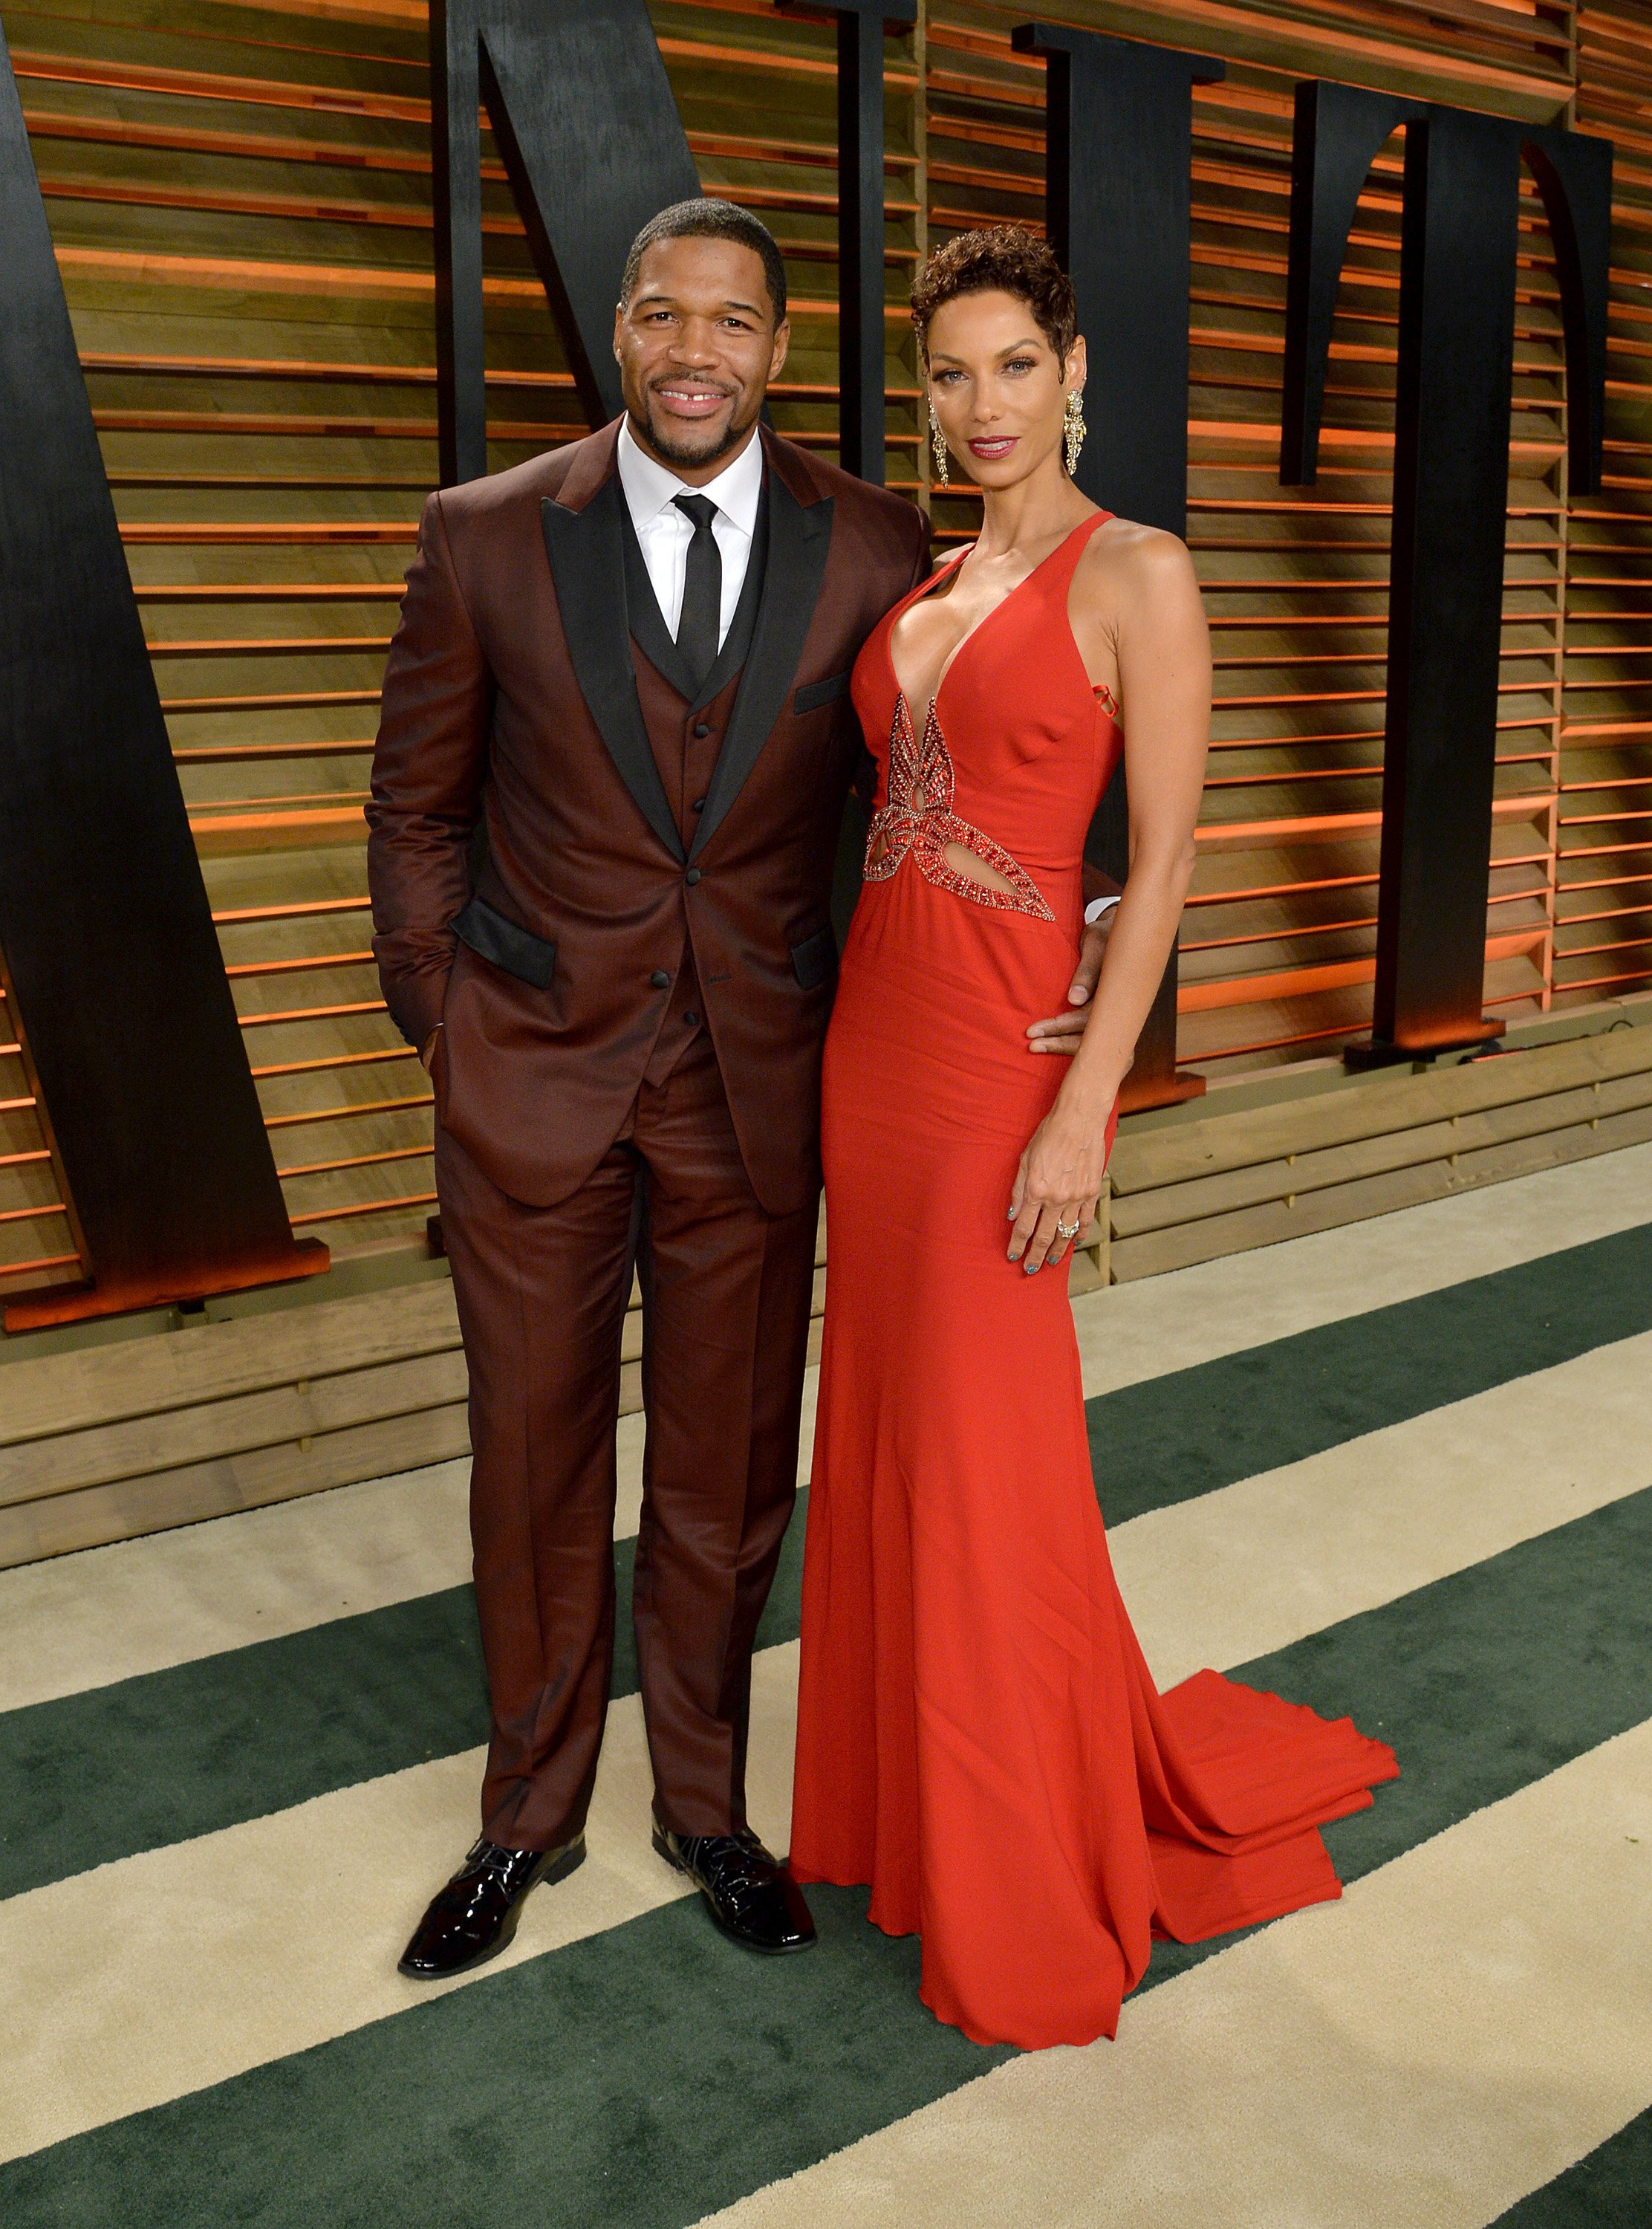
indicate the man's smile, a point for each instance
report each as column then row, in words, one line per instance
column 686, row 400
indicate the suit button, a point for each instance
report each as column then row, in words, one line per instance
column 701, row 728
column 691, row 1021
column 700, row 805
column 660, row 980
column 692, row 876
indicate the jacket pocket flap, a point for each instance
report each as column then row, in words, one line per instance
column 816, row 693
column 531, row 959
column 814, row 960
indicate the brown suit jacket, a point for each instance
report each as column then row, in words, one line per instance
column 511, row 700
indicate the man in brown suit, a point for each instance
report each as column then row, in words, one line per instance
column 626, row 663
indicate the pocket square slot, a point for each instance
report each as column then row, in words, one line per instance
column 507, row 944
column 816, row 693
column 814, row 960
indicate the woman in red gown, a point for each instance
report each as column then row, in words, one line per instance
column 979, row 1735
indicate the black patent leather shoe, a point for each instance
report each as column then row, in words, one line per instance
column 474, row 1917
column 750, row 1895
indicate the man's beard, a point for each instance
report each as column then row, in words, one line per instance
column 673, row 451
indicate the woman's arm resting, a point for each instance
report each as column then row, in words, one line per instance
column 1163, row 647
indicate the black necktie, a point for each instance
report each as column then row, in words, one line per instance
column 700, row 623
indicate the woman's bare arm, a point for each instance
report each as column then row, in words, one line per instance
column 1140, row 600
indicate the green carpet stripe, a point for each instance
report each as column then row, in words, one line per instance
column 644, row 2078
column 182, row 1752
column 1609, row 2187
column 234, row 1736
column 1167, row 1439
column 178, row 1753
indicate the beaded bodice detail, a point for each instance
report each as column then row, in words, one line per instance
column 918, row 823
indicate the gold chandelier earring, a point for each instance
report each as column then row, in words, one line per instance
column 938, row 442
column 1074, row 429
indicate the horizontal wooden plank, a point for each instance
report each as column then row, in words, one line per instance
column 1449, row 1137
column 123, row 1510
column 1215, row 1236
column 130, row 1507
column 1178, row 1152
column 169, row 1371
column 61, row 1458
column 181, row 1437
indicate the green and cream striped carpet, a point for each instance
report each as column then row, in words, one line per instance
column 1402, row 1471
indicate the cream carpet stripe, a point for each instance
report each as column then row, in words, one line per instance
column 107, row 1614
column 279, row 1933
column 115, row 1613
column 1158, row 1324
column 177, row 1968
column 1465, row 2024
column 1254, row 1566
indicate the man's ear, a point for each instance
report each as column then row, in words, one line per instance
column 782, row 342
column 619, row 321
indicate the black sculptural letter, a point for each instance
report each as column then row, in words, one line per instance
column 1458, row 235
column 105, row 924
column 592, row 146
column 861, row 347
column 1118, row 199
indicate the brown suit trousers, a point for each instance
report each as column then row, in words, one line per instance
column 542, row 1293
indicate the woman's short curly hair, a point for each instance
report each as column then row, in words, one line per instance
column 999, row 259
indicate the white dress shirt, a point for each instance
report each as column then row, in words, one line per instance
column 665, row 532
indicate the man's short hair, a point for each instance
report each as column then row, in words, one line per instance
column 706, row 218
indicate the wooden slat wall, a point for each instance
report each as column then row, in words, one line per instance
column 1277, row 948
column 240, row 196
column 37, row 1245
column 1603, row 862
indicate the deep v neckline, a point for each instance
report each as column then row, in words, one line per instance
column 986, row 619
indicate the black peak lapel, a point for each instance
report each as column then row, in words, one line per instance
column 586, row 550
column 799, row 537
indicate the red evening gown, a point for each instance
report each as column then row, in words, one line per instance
column 979, row 1734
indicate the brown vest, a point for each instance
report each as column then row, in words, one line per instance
column 685, row 733
column 685, row 742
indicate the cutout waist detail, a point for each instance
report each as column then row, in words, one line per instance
column 919, row 820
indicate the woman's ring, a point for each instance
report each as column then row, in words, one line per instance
column 1066, row 1230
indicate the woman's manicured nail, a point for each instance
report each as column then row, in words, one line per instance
column 1032, row 1269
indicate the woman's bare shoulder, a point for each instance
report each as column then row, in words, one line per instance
column 1129, row 568
column 1134, row 555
